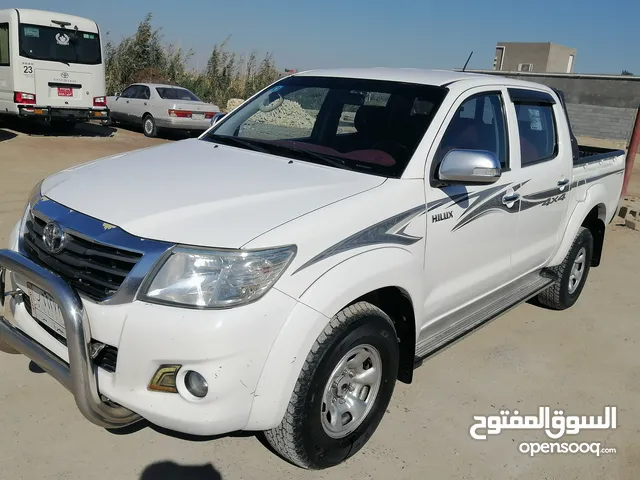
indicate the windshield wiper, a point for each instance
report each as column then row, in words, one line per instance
column 322, row 158
column 235, row 141
column 268, row 147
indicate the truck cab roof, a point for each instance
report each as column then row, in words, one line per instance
column 441, row 78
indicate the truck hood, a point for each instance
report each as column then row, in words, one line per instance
column 197, row 193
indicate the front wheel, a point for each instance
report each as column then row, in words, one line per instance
column 572, row 274
column 343, row 390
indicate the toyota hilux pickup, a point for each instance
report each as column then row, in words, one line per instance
column 284, row 270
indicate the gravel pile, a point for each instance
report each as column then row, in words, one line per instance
column 289, row 114
column 233, row 103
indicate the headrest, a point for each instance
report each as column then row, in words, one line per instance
column 370, row 119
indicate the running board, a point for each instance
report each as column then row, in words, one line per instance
column 475, row 315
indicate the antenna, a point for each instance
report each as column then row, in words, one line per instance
column 467, row 62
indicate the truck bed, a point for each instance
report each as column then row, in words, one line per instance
column 588, row 154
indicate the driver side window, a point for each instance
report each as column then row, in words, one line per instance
column 129, row 92
column 478, row 124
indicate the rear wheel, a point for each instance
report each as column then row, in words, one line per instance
column 572, row 274
column 343, row 390
column 149, row 126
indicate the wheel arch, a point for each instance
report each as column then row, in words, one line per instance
column 591, row 213
column 389, row 278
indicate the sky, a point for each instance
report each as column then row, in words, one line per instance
column 307, row 34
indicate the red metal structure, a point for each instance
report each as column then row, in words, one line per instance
column 631, row 152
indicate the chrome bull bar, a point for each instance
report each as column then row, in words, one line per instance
column 80, row 375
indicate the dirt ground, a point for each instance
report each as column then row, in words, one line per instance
column 579, row 360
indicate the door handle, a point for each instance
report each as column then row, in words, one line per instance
column 145, row 103
column 510, row 198
column 563, row 183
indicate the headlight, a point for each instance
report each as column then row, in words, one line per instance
column 207, row 278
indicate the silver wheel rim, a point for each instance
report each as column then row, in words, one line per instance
column 148, row 126
column 351, row 391
column 577, row 270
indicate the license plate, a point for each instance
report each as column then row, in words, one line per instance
column 65, row 92
column 198, row 116
column 46, row 310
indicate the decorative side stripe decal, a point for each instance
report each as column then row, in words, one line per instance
column 389, row 231
column 483, row 202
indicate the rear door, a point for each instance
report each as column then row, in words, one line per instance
column 60, row 62
column 546, row 173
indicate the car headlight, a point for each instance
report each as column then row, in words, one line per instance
column 206, row 278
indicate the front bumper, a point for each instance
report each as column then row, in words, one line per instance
column 228, row 347
column 58, row 113
column 79, row 376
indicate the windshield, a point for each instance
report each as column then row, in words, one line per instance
column 169, row 93
column 59, row 45
column 369, row 126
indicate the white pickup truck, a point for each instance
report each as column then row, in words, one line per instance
column 281, row 272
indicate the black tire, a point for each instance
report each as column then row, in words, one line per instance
column 109, row 122
column 149, row 126
column 563, row 293
column 301, row 437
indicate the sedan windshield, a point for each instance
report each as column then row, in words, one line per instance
column 369, row 126
column 59, row 45
column 170, row 93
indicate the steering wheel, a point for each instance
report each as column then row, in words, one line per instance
column 273, row 105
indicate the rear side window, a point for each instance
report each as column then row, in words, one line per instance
column 537, row 128
column 4, row 45
column 478, row 124
column 169, row 93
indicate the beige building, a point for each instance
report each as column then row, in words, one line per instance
column 534, row 57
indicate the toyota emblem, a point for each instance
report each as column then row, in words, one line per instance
column 64, row 75
column 53, row 237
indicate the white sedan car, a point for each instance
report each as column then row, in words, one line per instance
column 156, row 106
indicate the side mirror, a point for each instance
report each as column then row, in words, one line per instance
column 117, row 95
column 469, row 167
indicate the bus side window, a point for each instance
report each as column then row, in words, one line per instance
column 5, row 58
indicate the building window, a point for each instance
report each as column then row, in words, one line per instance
column 525, row 67
column 4, row 45
column 570, row 64
column 498, row 60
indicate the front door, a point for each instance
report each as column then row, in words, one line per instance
column 138, row 105
column 120, row 110
column 471, row 229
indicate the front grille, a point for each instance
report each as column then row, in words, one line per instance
column 93, row 268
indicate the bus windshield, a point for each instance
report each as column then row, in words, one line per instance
column 59, row 45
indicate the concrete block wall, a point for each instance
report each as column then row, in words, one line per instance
column 609, row 123
column 599, row 106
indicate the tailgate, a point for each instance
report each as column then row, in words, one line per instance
column 58, row 88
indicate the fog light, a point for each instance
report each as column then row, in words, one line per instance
column 164, row 379
column 196, row 384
